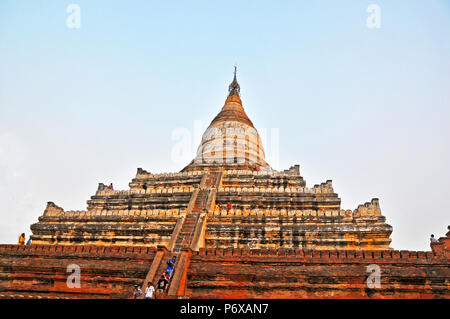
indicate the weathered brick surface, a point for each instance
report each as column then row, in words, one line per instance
column 41, row 270
column 262, row 273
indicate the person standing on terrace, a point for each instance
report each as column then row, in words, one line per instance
column 433, row 239
column 22, row 239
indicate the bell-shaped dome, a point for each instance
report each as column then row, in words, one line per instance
column 231, row 139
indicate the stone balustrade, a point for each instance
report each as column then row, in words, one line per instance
column 149, row 190
column 314, row 190
column 368, row 209
column 142, row 174
column 280, row 212
column 129, row 213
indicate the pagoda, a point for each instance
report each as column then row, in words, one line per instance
column 269, row 208
column 234, row 222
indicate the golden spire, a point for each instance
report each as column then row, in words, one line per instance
column 232, row 109
column 234, row 88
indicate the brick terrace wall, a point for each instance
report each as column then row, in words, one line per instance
column 40, row 271
column 295, row 273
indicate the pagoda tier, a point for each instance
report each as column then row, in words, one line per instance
column 273, row 209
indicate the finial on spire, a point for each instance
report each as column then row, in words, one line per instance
column 234, row 88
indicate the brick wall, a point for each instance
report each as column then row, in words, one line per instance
column 287, row 273
column 41, row 270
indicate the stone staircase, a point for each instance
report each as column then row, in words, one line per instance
column 191, row 229
column 187, row 230
column 201, row 201
column 160, row 270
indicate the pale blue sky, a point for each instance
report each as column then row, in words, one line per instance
column 367, row 108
